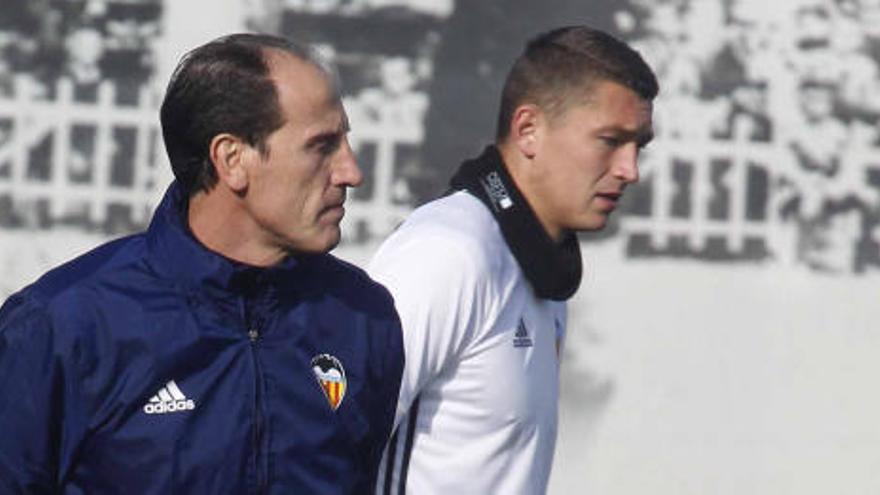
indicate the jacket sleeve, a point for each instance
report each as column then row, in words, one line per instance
column 440, row 292
column 30, row 396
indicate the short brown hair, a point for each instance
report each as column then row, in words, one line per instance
column 564, row 63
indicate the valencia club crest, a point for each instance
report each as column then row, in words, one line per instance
column 331, row 376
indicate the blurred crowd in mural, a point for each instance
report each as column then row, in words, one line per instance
column 767, row 144
column 86, row 41
column 790, row 91
column 76, row 112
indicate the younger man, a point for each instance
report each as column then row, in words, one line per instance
column 480, row 277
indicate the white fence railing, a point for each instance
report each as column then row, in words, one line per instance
column 381, row 122
column 33, row 122
column 696, row 226
column 386, row 124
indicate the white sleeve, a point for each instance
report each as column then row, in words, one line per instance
column 440, row 292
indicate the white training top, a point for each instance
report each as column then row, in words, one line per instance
column 478, row 402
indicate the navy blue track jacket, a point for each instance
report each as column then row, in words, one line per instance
column 153, row 365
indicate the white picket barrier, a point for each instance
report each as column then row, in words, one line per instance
column 385, row 123
column 734, row 229
column 33, row 120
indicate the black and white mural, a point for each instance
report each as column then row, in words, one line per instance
column 725, row 337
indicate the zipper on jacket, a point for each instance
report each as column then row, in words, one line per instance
column 254, row 336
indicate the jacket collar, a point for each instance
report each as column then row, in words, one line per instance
column 179, row 256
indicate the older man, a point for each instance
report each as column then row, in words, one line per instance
column 221, row 351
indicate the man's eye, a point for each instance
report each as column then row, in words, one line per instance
column 611, row 141
column 329, row 145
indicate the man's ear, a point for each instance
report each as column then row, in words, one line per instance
column 228, row 154
column 526, row 128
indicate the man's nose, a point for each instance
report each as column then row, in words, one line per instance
column 626, row 168
column 347, row 172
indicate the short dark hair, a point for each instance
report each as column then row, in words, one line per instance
column 565, row 63
column 221, row 86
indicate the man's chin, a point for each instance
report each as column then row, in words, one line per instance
column 592, row 223
column 328, row 239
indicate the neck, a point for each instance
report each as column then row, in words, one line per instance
column 553, row 269
column 217, row 220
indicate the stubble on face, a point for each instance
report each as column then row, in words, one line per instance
column 587, row 158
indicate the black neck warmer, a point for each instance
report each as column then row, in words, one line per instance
column 553, row 269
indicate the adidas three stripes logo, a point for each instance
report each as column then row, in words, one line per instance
column 169, row 399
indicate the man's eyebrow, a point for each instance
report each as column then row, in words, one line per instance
column 322, row 138
column 642, row 136
column 327, row 136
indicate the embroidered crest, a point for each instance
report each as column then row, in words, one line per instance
column 521, row 338
column 331, row 377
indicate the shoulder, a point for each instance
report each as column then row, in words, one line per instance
column 448, row 258
column 460, row 216
column 456, row 232
column 342, row 280
column 84, row 270
column 62, row 296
